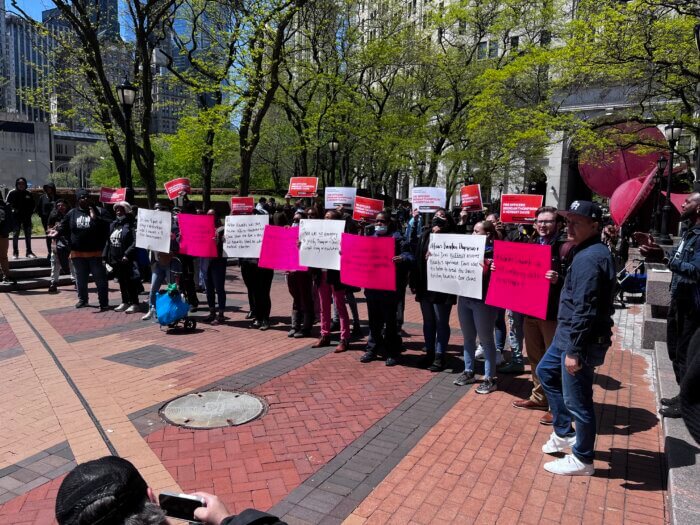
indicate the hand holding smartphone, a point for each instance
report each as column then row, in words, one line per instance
column 181, row 506
column 643, row 239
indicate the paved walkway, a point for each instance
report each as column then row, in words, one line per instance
column 340, row 442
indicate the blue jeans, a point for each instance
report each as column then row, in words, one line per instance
column 436, row 326
column 216, row 280
column 159, row 274
column 84, row 266
column 476, row 318
column 516, row 336
column 501, row 330
column 570, row 399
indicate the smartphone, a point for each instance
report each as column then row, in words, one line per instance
column 643, row 238
column 180, row 506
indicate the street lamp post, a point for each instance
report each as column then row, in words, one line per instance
column 672, row 133
column 126, row 93
column 658, row 177
column 333, row 147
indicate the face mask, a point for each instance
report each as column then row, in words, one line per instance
column 381, row 230
column 438, row 221
column 295, row 224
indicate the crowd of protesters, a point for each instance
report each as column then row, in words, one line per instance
column 562, row 349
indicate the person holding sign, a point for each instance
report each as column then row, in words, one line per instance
column 476, row 318
column 382, row 305
column 582, row 338
column 300, row 288
column 435, row 306
column 119, row 252
column 215, row 278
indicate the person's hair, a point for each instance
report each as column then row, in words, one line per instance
column 262, row 199
column 311, row 211
column 545, row 209
column 449, row 219
column 149, row 514
column 334, row 215
column 489, row 228
column 279, row 219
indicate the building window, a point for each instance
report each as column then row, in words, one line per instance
column 514, row 42
column 481, row 50
column 493, row 49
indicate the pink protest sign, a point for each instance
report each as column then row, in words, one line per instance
column 519, row 282
column 279, row 249
column 197, row 235
column 366, row 262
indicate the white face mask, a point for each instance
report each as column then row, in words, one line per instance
column 381, row 230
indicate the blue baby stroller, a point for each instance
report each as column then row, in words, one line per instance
column 171, row 308
column 632, row 282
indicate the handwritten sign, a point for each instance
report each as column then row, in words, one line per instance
column 279, row 249
column 153, row 230
column 177, row 187
column 366, row 262
column 302, row 187
column 519, row 208
column 112, row 195
column 470, row 197
column 428, row 200
column 197, row 235
column 242, row 205
column 518, row 283
column 366, row 208
column 339, row 197
column 454, row 264
column 244, row 235
column 320, row 243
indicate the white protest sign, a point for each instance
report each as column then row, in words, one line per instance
column 153, row 230
column 244, row 235
column 454, row 264
column 337, row 196
column 428, row 200
column 320, row 243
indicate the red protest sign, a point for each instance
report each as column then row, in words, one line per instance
column 518, row 282
column 302, row 187
column 366, row 262
column 279, row 249
column 242, row 205
column 366, row 208
column 519, row 208
column 471, row 197
column 177, row 187
column 112, row 195
column 197, row 235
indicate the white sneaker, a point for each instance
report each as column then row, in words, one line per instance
column 479, row 352
column 149, row 315
column 569, row 465
column 499, row 358
column 133, row 309
column 121, row 307
column 558, row 444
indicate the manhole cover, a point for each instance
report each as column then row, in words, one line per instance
column 213, row 409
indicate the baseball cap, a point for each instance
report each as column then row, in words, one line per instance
column 110, row 486
column 584, row 209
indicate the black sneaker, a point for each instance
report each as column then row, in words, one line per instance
column 81, row 304
column 30, row 255
column 670, row 401
column 368, row 356
column 672, row 411
column 335, row 326
column 488, row 386
column 291, row 333
column 391, row 361
column 464, row 379
column 265, row 325
column 53, row 288
column 301, row 334
column 249, row 316
column 104, row 307
column 438, row 364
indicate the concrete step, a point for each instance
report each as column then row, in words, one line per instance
column 41, row 262
column 30, row 272
column 34, row 284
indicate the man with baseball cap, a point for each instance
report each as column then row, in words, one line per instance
column 582, row 337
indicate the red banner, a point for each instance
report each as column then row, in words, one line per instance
column 366, row 262
column 242, row 205
column 177, row 187
column 112, row 195
column 471, row 197
column 279, row 249
column 301, row 187
column 519, row 282
column 519, row 208
column 366, row 208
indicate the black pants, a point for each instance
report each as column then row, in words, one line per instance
column 300, row 285
column 187, row 280
column 25, row 224
column 683, row 321
column 258, row 282
column 128, row 285
column 382, row 324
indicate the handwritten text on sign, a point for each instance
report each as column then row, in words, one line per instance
column 244, row 234
column 320, row 243
column 279, row 249
column 454, row 264
column 519, row 282
column 197, row 235
column 153, row 231
column 366, row 262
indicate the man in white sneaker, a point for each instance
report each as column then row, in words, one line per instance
column 582, row 337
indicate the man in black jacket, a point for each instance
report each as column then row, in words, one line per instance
column 47, row 203
column 583, row 336
column 22, row 204
column 87, row 231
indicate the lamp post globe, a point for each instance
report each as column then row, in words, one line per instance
column 333, row 146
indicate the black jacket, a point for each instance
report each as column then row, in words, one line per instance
column 84, row 233
column 47, row 202
column 252, row 517
column 121, row 241
column 6, row 221
column 403, row 249
column 684, row 262
column 21, row 202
